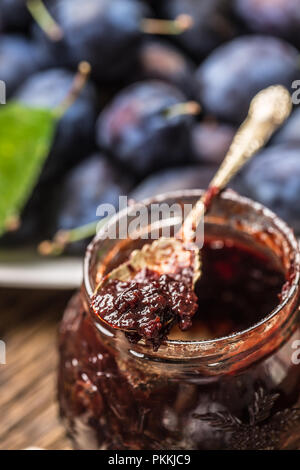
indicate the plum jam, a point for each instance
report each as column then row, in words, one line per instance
column 231, row 380
column 146, row 306
column 238, row 287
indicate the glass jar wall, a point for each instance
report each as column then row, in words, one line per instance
column 240, row 391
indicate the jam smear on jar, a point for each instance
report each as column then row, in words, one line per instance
column 147, row 306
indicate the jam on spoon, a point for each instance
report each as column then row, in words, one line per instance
column 122, row 298
column 147, row 306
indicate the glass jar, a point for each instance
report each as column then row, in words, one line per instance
column 236, row 392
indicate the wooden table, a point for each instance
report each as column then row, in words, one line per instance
column 28, row 407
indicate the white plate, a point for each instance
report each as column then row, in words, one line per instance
column 25, row 269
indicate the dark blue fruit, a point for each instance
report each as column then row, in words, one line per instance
column 290, row 132
column 33, row 226
column 105, row 33
column 162, row 61
column 75, row 132
column 51, row 46
column 140, row 131
column 176, row 179
column 211, row 141
column 18, row 59
column 280, row 17
column 273, row 178
column 93, row 182
column 212, row 23
column 230, row 77
column 14, row 15
column 154, row 4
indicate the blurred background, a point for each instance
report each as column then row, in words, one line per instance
column 118, row 97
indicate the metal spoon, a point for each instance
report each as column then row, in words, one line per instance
column 180, row 254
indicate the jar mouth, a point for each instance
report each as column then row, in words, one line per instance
column 207, row 344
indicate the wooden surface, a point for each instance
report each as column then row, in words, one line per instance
column 28, row 407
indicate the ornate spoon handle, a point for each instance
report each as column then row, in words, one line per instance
column 268, row 110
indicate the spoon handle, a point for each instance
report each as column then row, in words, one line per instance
column 268, row 110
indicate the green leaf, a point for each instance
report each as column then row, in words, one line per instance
column 26, row 136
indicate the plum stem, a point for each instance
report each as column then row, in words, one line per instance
column 189, row 107
column 63, row 238
column 168, row 27
column 52, row 29
column 79, row 82
column 12, row 223
column 45, row 20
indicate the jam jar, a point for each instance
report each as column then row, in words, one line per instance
column 227, row 388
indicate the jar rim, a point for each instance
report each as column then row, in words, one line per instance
column 238, row 336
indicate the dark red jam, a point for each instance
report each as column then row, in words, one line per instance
column 147, row 306
column 237, row 288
